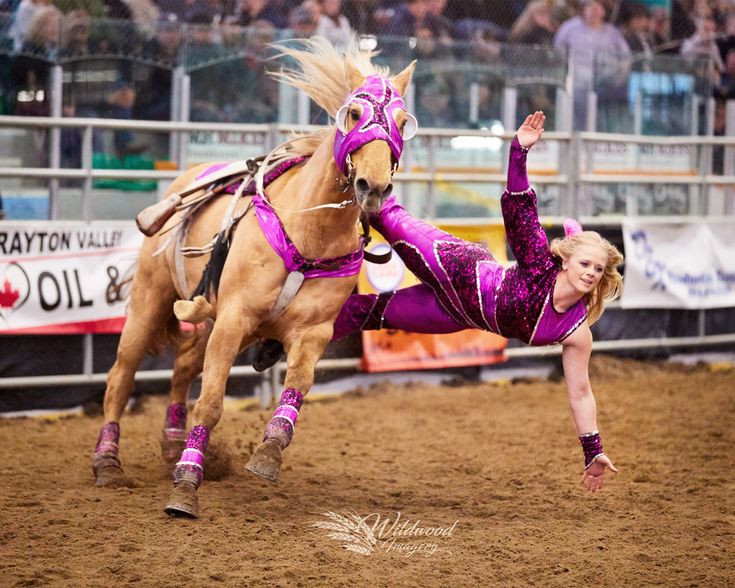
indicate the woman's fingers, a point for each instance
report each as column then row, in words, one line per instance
column 592, row 483
column 605, row 461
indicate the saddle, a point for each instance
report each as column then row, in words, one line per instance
column 241, row 178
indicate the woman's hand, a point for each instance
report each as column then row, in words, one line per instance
column 531, row 130
column 593, row 476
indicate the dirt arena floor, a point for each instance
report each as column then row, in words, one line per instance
column 491, row 470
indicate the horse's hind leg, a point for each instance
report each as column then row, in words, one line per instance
column 187, row 366
column 150, row 307
column 303, row 355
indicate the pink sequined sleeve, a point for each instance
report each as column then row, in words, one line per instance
column 526, row 237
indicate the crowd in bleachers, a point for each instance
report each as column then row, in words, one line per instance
column 39, row 32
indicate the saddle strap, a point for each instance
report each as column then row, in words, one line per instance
column 291, row 287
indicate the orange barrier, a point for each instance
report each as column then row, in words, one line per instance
column 393, row 350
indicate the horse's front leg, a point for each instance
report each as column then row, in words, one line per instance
column 187, row 366
column 231, row 331
column 302, row 356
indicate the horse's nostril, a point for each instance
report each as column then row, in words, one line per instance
column 362, row 185
column 388, row 190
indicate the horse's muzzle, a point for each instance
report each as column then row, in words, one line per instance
column 370, row 195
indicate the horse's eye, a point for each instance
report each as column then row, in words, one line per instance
column 354, row 115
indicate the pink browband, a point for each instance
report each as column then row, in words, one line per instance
column 379, row 99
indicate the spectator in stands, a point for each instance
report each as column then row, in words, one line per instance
column 727, row 80
column 75, row 34
column 361, row 15
column 274, row 11
column 185, row 10
column 489, row 103
column 154, row 97
column 145, row 15
column 637, row 30
column 727, row 40
column 430, row 48
column 202, row 54
column 681, row 20
column 303, row 20
column 119, row 105
column 407, row 17
column 486, row 45
column 501, row 13
column 441, row 26
column 588, row 40
column 702, row 44
column 250, row 95
column 433, row 103
column 535, row 25
column 30, row 70
column 333, row 24
column 24, row 16
column 202, row 45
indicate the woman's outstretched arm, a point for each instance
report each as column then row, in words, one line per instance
column 526, row 237
column 575, row 358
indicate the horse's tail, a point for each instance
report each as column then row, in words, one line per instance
column 193, row 311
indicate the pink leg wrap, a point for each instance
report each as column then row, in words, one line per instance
column 280, row 427
column 174, row 428
column 190, row 468
column 107, row 448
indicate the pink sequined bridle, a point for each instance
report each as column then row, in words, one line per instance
column 379, row 100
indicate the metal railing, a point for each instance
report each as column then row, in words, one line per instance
column 572, row 176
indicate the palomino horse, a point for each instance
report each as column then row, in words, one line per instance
column 282, row 266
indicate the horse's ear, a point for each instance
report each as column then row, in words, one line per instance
column 403, row 79
column 352, row 74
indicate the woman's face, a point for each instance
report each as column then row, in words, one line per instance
column 585, row 267
column 332, row 7
column 593, row 13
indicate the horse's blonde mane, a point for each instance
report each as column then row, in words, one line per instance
column 321, row 75
column 322, row 70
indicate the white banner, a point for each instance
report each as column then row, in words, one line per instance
column 58, row 277
column 682, row 265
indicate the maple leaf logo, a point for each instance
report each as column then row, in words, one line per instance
column 8, row 296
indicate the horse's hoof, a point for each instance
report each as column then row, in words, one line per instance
column 183, row 502
column 110, row 477
column 266, row 461
column 108, row 470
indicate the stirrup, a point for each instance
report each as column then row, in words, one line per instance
column 268, row 352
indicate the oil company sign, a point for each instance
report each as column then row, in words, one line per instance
column 59, row 277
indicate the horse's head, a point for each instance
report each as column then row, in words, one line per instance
column 371, row 127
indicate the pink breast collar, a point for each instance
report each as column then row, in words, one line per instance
column 275, row 233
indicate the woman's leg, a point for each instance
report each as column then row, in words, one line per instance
column 415, row 309
column 447, row 264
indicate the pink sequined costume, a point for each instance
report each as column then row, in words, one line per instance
column 463, row 286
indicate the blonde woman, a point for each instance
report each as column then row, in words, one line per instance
column 551, row 295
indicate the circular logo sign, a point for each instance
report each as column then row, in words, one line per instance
column 385, row 277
